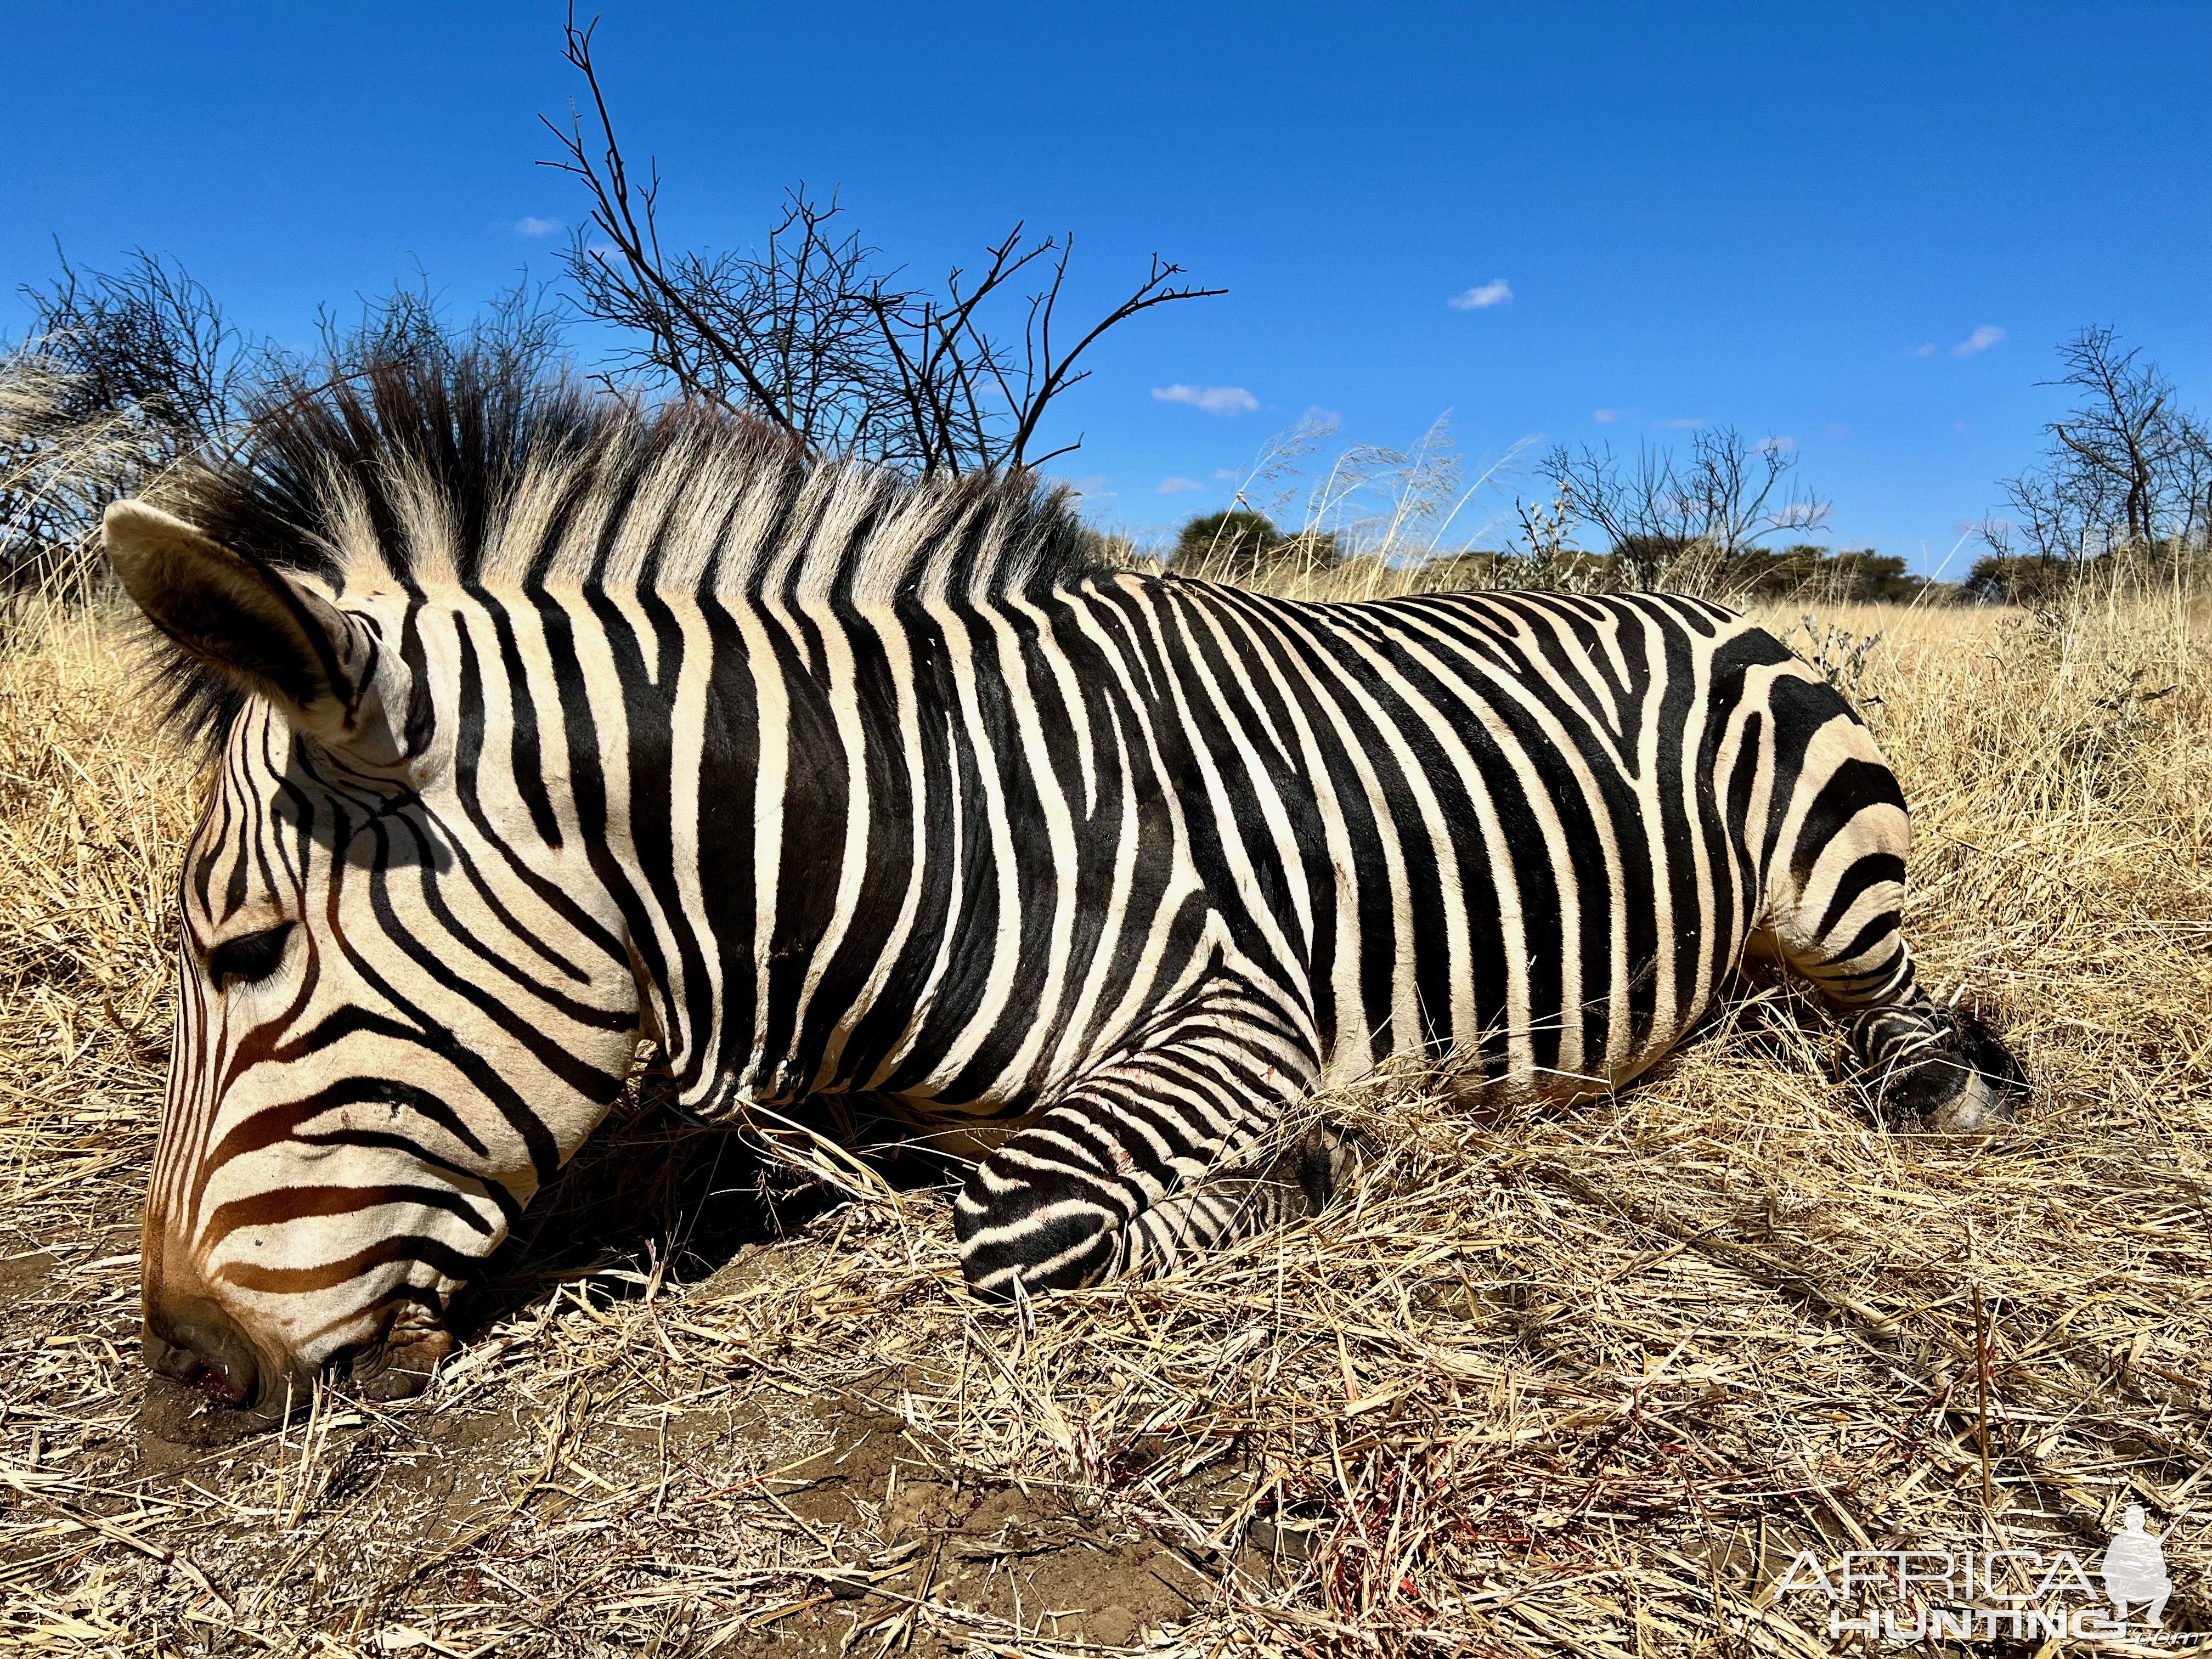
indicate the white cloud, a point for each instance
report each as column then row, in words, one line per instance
column 1214, row 399
column 1495, row 292
column 1780, row 444
column 1093, row 488
column 1926, row 350
column 1962, row 426
column 1604, row 416
column 1980, row 340
column 1685, row 424
column 1177, row 486
column 531, row 225
column 1839, row 432
column 1224, row 471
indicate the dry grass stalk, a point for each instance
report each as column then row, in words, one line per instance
column 56, row 472
column 1580, row 1385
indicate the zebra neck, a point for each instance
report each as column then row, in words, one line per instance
column 815, row 856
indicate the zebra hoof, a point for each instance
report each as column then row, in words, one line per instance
column 1323, row 1163
column 1979, row 1108
column 1965, row 1082
column 1996, row 1090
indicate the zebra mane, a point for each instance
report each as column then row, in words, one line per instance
column 423, row 470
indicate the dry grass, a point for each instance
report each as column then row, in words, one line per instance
column 58, row 469
column 1581, row 1385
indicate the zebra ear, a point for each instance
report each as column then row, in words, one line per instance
column 271, row 634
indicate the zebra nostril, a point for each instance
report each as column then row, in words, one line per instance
column 195, row 1342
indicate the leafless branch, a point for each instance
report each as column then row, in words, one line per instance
column 1716, row 505
column 809, row 334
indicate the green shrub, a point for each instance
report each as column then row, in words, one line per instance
column 1239, row 545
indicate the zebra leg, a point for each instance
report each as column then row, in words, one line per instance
column 1835, row 909
column 1157, row 1153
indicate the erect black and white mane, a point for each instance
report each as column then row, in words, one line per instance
column 417, row 473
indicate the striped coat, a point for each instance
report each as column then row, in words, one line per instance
column 545, row 725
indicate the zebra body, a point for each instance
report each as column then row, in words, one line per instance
column 1115, row 870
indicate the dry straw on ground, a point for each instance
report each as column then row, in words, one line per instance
column 1577, row 1385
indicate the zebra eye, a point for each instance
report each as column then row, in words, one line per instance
column 249, row 957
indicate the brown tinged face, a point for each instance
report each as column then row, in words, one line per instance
column 388, row 1033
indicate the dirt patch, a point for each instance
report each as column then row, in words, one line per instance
column 729, row 1510
column 21, row 1276
column 906, row 1530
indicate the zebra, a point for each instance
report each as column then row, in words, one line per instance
column 543, row 725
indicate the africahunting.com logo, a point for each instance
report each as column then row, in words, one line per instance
column 2008, row 1595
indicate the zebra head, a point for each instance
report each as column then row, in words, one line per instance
column 404, row 1000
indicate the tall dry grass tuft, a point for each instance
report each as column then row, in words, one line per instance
column 59, row 467
column 1582, row 1384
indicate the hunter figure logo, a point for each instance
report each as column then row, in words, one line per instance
column 2135, row 1570
column 1913, row 1595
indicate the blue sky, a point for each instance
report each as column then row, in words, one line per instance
column 1862, row 228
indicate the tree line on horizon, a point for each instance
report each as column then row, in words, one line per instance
column 1240, row 545
column 2123, row 482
